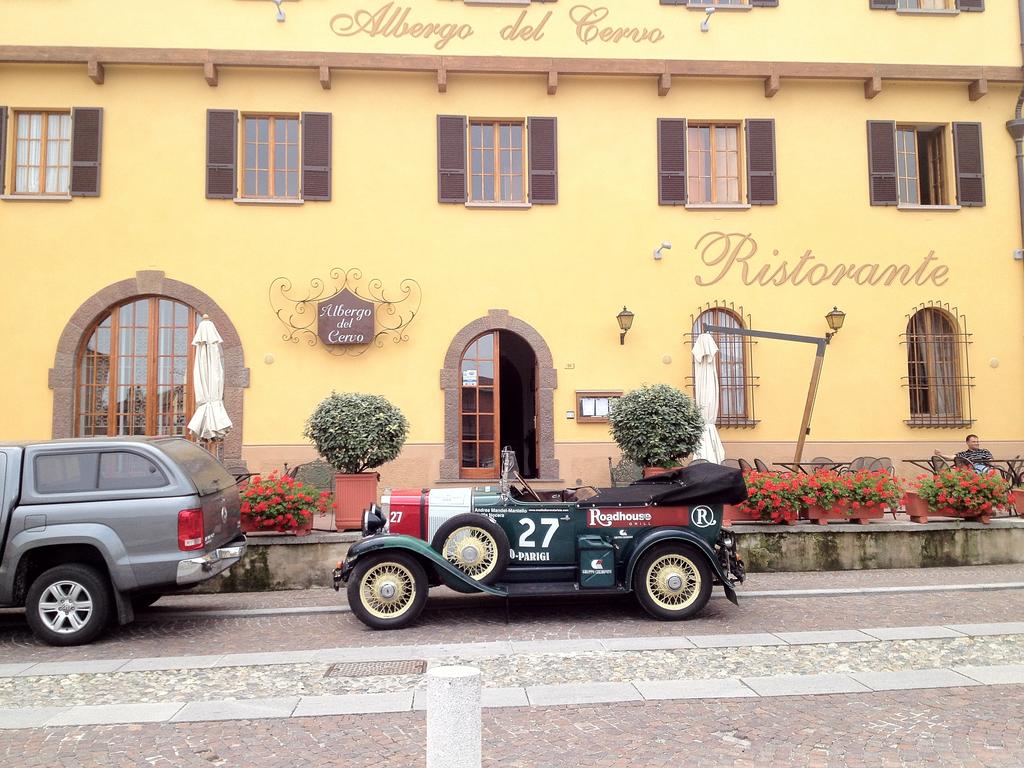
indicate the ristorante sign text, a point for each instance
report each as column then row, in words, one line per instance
column 724, row 254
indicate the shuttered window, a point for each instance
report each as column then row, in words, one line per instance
column 700, row 163
column 270, row 157
column 497, row 161
column 909, row 164
column 927, row 5
column 281, row 157
column 42, row 153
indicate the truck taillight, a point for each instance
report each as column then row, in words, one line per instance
column 190, row 529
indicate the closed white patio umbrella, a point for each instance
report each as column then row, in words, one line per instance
column 706, row 388
column 210, row 421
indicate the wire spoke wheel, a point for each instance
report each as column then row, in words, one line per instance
column 673, row 581
column 387, row 590
column 472, row 550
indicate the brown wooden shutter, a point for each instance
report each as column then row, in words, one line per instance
column 970, row 164
column 671, row 161
column 221, row 153
column 882, row 162
column 765, row 3
column 86, row 149
column 761, row 188
column 316, row 155
column 883, row 5
column 971, row 5
column 543, row 138
column 451, row 158
column 3, row 146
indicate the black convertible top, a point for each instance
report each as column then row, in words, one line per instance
column 703, row 483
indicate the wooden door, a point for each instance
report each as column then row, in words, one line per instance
column 479, row 409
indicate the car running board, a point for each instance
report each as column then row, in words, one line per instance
column 555, row 589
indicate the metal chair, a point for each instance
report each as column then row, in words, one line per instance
column 625, row 472
column 697, row 461
column 760, row 466
column 862, row 462
column 884, row 463
column 938, row 464
column 734, row 463
column 745, row 465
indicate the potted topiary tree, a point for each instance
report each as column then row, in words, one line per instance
column 655, row 426
column 356, row 433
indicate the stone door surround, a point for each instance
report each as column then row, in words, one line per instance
column 547, row 381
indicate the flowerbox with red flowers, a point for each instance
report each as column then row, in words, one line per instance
column 772, row 497
column 856, row 496
column 958, row 492
column 280, row 504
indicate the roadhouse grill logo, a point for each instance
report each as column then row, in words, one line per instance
column 626, row 518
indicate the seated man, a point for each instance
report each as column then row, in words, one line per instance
column 974, row 456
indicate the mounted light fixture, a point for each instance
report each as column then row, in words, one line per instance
column 625, row 318
column 660, row 248
column 706, row 24
column 280, row 10
column 835, row 320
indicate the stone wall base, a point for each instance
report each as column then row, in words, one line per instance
column 289, row 562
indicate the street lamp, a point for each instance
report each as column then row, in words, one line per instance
column 625, row 318
column 835, row 320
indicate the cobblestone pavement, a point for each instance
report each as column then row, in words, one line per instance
column 474, row 618
column 947, row 727
column 952, row 728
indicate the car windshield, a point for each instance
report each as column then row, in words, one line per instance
column 205, row 471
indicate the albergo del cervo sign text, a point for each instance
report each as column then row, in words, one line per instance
column 345, row 319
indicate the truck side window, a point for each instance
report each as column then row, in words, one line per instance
column 121, row 471
column 66, row 472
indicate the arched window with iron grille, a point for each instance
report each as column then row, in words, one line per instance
column 938, row 378
column 736, row 380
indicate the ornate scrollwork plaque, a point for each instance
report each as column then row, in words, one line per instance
column 296, row 308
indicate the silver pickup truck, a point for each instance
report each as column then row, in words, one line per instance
column 93, row 527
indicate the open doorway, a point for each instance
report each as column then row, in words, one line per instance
column 498, row 404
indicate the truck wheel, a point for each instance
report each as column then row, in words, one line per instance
column 68, row 605
column 672, row 581
column 387, row 590
column 474, row 544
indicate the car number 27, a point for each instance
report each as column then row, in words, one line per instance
column 527, row 538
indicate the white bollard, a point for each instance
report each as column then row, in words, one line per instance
column 453, row 717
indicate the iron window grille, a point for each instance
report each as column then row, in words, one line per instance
column 938, row 379
column 736, row 378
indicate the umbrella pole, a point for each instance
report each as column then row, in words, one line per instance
column 812, row 391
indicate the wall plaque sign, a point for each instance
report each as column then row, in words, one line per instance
column 345, row 319
column 345, row 313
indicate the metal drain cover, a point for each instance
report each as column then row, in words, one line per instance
column 376, row 668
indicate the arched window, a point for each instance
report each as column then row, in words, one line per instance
column 936, row 368
column 735, row 382
column 133, row 375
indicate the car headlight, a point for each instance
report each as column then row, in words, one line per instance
column 373, row 521
column 728, row 541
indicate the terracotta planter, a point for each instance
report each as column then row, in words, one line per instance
column 352, row 495
column 734, row 514
column 916, row 507
column 845, row 513
column 919, row 512
column 1017, row 497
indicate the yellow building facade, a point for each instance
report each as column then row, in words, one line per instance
column 506, row 172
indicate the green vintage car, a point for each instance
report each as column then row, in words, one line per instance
column 661, row 538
